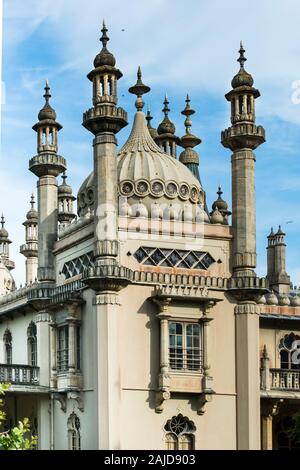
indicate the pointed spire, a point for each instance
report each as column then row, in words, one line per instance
column 64, row 177
column 32, row 201
column 166, row 126
column 2, row 221
column 104, row 38
column 47, row 94
column 166, row 109
column 139, row 89
column 219, row 192
column 189, row 140
column 242, row 59
column 152, row 130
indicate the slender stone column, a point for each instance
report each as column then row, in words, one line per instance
column 72, row 343
column 243, row 212
column 247, row 375
column 107, row 310
column 47, row 197
column 53, row 356
column 267, row 432
column 43, row 321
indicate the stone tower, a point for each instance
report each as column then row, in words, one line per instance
column 47, row 165
column 242, row 138
column 277, row 276
column 30, row 249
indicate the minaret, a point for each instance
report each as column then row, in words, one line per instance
column 30, row 249
column 166, row 139
column 270, row 257
column 152, row 130
column 105, row 120
column 65, row 203
column 242, row 138
column 47, row 165
column 281, row 280
column 4, row 246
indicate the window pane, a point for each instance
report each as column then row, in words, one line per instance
column 193, row 358
column 175, row 346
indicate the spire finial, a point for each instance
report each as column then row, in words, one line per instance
column 2, row 220
column 166, row 109
column 219, row 192
column 139, row 89
column 32, row 201
column 64, row 177
column 104, row 38
column 47, row 94
column 149, row 117
column 188, row 111
column 242, row 59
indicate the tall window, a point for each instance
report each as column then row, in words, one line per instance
column 32, row 344
column 74, row 432
column 180, row 433
column 62, row 348
column 7, row 339
column 288, row 347
column 185, row 346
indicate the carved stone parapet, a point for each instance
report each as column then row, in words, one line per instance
column 243, row 135
column 47, row 164
column 105, row 118
column 107, row 277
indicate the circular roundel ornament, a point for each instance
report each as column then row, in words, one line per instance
column 142, row 188
column 171, row 189
column 127, row 188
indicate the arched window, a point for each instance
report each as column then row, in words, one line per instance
column 7, row 339
column 74, row 432
column 288, row 347
column 180, row 433
column 32, row 344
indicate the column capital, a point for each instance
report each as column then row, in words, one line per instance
column 247, row 308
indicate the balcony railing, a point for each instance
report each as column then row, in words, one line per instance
column 285, row 379
column 19, row 374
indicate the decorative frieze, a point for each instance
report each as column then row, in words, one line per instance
column 108, row 298
column 247, row 308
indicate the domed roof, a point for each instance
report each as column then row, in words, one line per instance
column 32, row 214
column 104, row 57
column 64, row 189
column 220, row 203
column 146, row 173
column 3, row 231
column 242, row 78
column 166, row 126
column 7, row 283
column 47, row 112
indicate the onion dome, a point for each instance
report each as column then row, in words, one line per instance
column 145, row 172
column 104, row 57
column 262, row 300
column 166, row 126
column 47, row 112
column 7, row 283
column 64, row 189
column 3, row 231
column 152, row 130
column 216, row 216
column 222, row 206
column 272, row 299
column 284, row 300
column 242, row 78
column 295, row 301
column 32, row 214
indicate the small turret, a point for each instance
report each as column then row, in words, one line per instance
column 278, row 278
column 65, row 203
column 222, row 206
column 166, row 139
column 4, row 246
column 30, row 249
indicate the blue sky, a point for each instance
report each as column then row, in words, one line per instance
column 182, row 47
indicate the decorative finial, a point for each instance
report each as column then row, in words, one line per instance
column 104, row 38
column 32, row 201
column 139, row 89
column 64, row 177
column 219, row 192
column 47, row 94
column 2, row 221
column 166, row 109
column 188, row 111
column 149, row 117
column 242, row 59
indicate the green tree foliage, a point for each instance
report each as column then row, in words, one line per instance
column 294, row 429
column 16, row 438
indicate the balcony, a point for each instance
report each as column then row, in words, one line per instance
column 19, row 374
column 280, row 383
column 285, row 379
